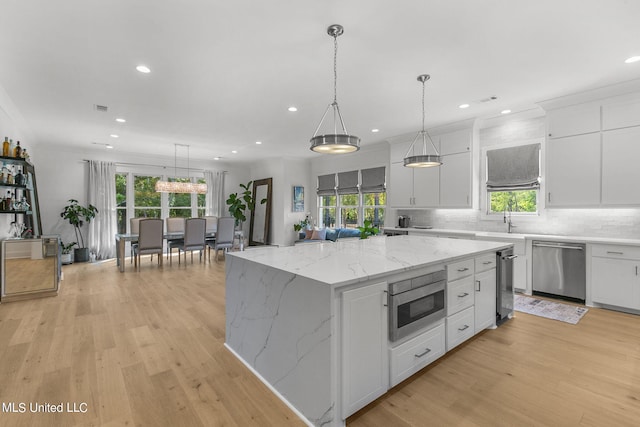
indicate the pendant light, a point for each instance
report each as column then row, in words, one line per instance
column 180, row 187
column 423, row 160
column 335, row 143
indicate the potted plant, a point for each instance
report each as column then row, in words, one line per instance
column 368, row 229
column 238, row 203
column 77, row 215
column 66, row 252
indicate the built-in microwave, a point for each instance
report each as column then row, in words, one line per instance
column 416, row 303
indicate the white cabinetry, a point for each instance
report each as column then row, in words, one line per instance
column 615, row 276
column 573, row 171
column 621, row 114
column 411, row 187
column 365, row 364
column 573, row 120
column 620, row 153
column 460, row 300
column 455, row 181
column 413, row 355
column 485, row 292
column 460, row 327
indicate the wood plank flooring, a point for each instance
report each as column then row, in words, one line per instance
column 145, row 348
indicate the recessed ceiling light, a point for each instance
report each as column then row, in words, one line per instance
column 463, row 106
column 143, row 69
column 632, row 59
column 375, row 130
column 113, row 135
column 505, row 111
column 259, row 142
column 216, row 158
column 234, row 151
column 109, row 146
column 119, row 120
column 292, row 109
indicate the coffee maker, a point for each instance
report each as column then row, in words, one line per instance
column 403, row 221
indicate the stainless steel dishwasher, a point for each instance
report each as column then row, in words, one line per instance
column 559, row 269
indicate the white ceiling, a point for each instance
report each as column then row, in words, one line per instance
column 224, row 72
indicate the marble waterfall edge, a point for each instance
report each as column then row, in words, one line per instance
column 281, row 325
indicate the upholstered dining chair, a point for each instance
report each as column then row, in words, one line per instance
column 150, row 239
column 134, row 228
column 174, row 225
column 224, row 235
column 194, row 231
column 212, row 226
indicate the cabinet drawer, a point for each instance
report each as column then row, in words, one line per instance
column 460, row 327
column 485, row 262
column 616, row 251
column 460, row 269
column 415, row 354
column 460, row 295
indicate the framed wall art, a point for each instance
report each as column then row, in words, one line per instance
column 298, row 199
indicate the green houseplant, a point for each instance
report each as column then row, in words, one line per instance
column 239, row 203
column 77, row 215
column 66, row 252
column 368, row 229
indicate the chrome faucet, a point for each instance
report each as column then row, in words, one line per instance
column 507, row 220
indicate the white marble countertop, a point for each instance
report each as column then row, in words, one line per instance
column 521, row 236
column 355, row 260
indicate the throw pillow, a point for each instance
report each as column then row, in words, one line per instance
column 319, row 234
column 308, row 234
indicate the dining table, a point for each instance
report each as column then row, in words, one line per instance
column 123, row 238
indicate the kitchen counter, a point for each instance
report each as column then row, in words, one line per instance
column 283, row 304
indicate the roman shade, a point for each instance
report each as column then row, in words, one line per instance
column 373, row 180
column 348, row 182
column 514, row 168
column 327, row 185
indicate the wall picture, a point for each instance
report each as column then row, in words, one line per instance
column 298, row 199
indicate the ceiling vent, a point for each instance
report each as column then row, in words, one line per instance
column 489, row 99
column 102, row 108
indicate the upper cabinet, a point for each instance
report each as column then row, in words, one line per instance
column 446, row 186
column 591, row 153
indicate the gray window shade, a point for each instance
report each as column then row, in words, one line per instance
column 513, row 168
column 373, row 180
column 348, row 182
column 327, row 185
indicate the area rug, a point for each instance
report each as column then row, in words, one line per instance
column 549, row 309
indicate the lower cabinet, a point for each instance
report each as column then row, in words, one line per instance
column 615, row 275
column 460, row 327
column 365, row 363
column 413, row 355
column 485, row 300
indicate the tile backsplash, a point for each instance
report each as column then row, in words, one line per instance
column 615, row 223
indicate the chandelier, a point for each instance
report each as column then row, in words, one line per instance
column 335, row 143
column 176, row 186
column 423, row 160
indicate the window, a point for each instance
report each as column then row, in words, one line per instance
column 513, row 179
column 121, row 202
column 179, row 203
column 147, row 203
column 201, row 199
column 343, row 202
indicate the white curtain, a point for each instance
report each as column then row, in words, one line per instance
column 215, row 203
column 102, row 195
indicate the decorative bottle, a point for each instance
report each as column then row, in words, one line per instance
column 12, row 147
column 5, row 147
column 17, row 151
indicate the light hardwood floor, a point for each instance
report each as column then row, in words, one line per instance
column 145, row 348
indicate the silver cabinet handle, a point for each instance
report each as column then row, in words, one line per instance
column 510, row 257
column 636, row 270
column 488, row 262
column 385, row 298
column 466, row 294
column 559, row 246
column 479, row 285
column 460, row 270
column 428, row 350
column 615, row 253
column 463, row 328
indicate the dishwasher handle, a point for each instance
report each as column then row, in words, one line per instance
column 559, row 246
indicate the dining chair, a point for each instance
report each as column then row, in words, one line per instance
column 150, row 239
column 224, row 235
column 212, row 226
column 174, row 225
column 134, row 228
column 194, row 231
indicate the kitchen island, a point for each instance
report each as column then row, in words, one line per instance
column 286, row 318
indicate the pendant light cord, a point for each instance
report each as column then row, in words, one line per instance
column 335, row 68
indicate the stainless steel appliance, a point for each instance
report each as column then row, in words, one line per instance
column 403, row 221
column 416, row 303
column 559, row 269
column 504, row 285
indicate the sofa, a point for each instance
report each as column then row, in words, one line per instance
column 327, row 234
